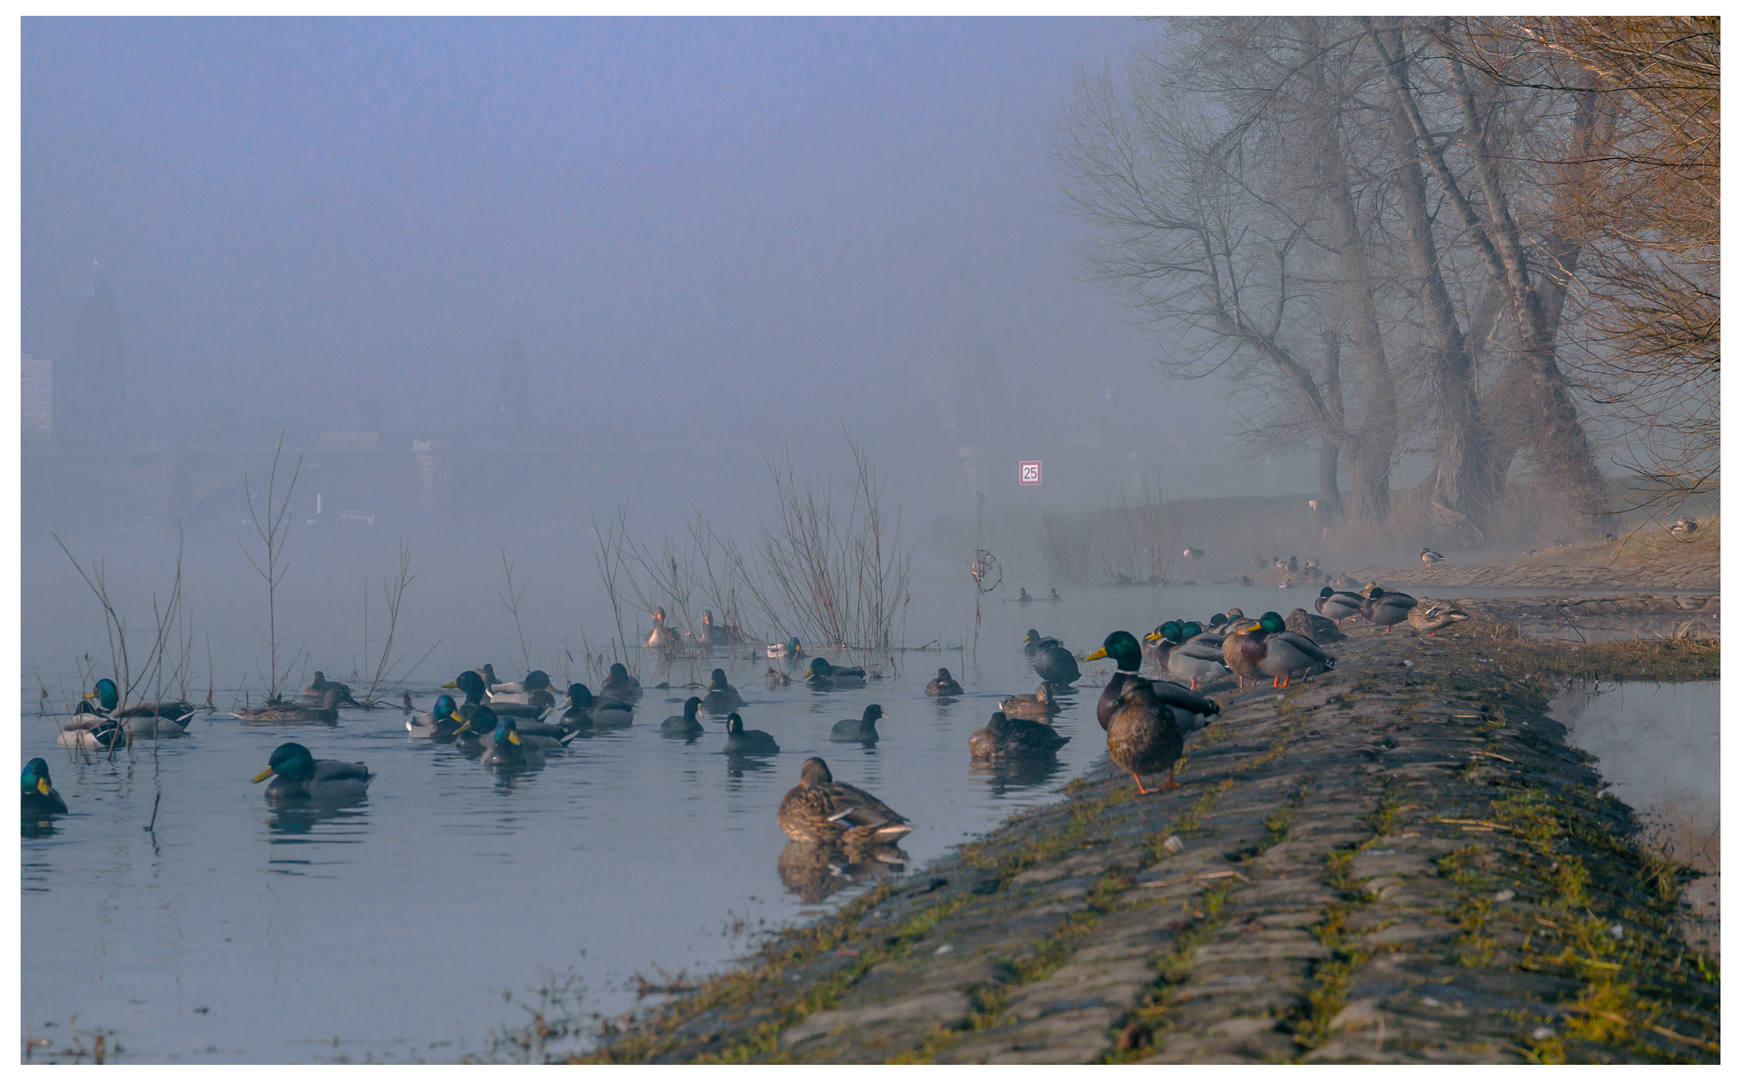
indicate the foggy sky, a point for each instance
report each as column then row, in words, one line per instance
column 693, row 224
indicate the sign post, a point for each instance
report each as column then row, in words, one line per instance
column 1029, row 476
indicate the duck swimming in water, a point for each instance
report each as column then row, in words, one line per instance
column 441, row 723
column 739, row 741
column 944, row 685
column 284, row 712
column 1054, row 595
column 506, row 750
column 1032, row 643
column 824, row 676
column 1022, row 597
column 722, row 697
column 662, row 638
column 584, row 710
column 297, row 775
column 862, row 730
column 686, row 726
column 619, row 684
column 1004, row 738
column 1040, row 706
column 824, row 810
column 144, row 720
column 1386, row 609
column 472, row 685
column 534, row 689
column 39, row 799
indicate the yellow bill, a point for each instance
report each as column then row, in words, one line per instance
column 269, row 771
column 1097, row 654
column 42, row 786
column 514, row 737
column 454, row 685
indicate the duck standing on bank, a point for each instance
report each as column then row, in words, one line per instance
column 1145, row 735
column 1122, row 646
column 1386, row 609
column 1271, row 649
column 1430, row 557
column 1315, row 627
column 1004, row 738
column 1336, row 605
column 944, row 685
column 297, row 776
column 1193, row 656
column 824, row 810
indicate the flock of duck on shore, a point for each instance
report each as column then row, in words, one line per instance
column 513, row 725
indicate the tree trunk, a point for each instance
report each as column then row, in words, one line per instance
column 1328, row 489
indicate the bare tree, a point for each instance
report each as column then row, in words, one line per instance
column 272, row 525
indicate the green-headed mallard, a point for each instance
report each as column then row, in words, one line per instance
column 825, row 676
column 824, row 810
column 1315, row 627
column 297, row 776
column 1386, row 609
column 472, row 684
column 1122, row 646
column 1146, row 735
column 1006, row 738
column 1271, row 649
column 441, row 723
column 860, row 731
column 686, row 726
column 1040, row 706
column 506, row 750
column 285, row 712
column 619, row 684
column 534, row 689
column 602, row 712
column 1336, row 605
column 315, row 691
column 39, row 797
column 944, row 685
column 791, row 649
column 722, row 697
column 1431, row 616
column 1195, row 657
column 739, row 741
column 143, row 720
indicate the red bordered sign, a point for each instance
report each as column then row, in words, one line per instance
column 1029, row 476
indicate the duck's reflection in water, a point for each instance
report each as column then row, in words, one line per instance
column 738, row 764
column 290, row 820
column 1015, row 774
column 817, row 871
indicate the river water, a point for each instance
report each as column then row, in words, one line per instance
column 391, row 930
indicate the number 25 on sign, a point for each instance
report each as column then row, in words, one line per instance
column 1030, row 473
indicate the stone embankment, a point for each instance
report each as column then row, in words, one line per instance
column 1401, row 860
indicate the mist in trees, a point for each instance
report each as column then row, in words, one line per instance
column 1449, row 237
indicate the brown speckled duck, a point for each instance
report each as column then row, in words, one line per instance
column 1146, row 735
column 1005, row 738
column 824, row 810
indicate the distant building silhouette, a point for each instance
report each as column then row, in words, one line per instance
column 94, row 365
column 38, row 397
column 513, row 386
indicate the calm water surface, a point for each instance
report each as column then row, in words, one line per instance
column 390, row 930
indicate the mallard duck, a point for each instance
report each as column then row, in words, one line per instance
column 739, row 741
column 1006, row 738
column 1315, row 627
column 1039, row 706
column 686, row 726
column 441, row 723
column 1336, row 605
column 1122, row 646
column 1053, row 595
column 1022, row 597
column 506, row 750
column 285, row 712
column 858, row 731
column 316, row 690
column 39, row 797
column 525, row 692
column 662, row 638
column 1271, row 649
column 105, row 734
column 297, row 775
column 1051, row 661
column 1684, row 527
column 1032, row 643
column 789, row 649
column 1386, row 609
column 1431, row 616
column 1195, row 657
column 823, row 810
column 721, row 697
column 600, row 712
column 472, row 685
column 1145, row 735
column 1235, row 620
column 619, row 684
column 944, row 685
column 1430, row 557
column 144, row 720
column 824, row 676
